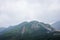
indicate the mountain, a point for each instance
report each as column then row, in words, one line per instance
column 2, row 29
column 56, row 25
column 33, row 30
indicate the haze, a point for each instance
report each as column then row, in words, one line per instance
column 13, row 12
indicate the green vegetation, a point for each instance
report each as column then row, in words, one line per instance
column 29, row 31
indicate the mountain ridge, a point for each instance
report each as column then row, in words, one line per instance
column 27, row 30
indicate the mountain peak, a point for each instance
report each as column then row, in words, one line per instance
column 27, row 30
column 34, row 22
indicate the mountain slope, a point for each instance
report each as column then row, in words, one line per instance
column 56, row 25
column 27, row 30
column 1, row 29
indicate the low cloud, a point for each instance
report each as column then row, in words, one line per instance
column 13, row 12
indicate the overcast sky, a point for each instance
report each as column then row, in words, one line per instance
column 13, row 12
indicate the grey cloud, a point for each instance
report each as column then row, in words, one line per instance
column 16, row 11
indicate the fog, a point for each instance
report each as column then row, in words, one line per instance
column 13, row 12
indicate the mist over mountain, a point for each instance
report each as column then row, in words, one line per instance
column 27, row 31
column 1, row 29
column 15, row 11
column 56, row 25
